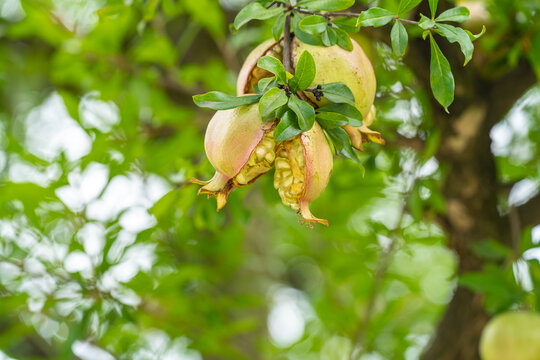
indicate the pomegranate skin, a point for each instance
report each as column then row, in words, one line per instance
column 231, row 138
column 363, row 134
column 319, row 164
column 334, row 64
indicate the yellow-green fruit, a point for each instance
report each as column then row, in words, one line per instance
column 303, row 167
column 511, row 336
column 240, row 146
column 333, row 64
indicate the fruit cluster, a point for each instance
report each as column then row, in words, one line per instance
column 242, row 144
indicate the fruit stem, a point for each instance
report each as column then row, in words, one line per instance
column 287, row 45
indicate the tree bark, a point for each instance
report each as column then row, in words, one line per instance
column 471, row 186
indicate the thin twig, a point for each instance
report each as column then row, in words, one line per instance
column 327, row 14
column 408, row 21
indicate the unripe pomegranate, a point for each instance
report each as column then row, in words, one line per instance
column 512, row 335
column 334, row 64
column 240, row 146
column 303, row 167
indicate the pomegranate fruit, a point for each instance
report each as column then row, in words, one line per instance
column 303, row 166
column 240, row 146
column 334, row 64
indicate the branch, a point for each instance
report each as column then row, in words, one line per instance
column 287, row 44
column 328, row 15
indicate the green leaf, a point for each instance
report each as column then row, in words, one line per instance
column 457, row 34
column 351, row 112
column 458, row 14
column 346, row 24
column 329, row 37
column 265, row 84
column 426, row 23
column 280, row 111
column 220, row 101
column 330, row 120
column 277, row 29
column 275, row 66
column 375, row 17
column 304, row 112
column 150, row 10
column 399, row 38
column 255, row 11
column 287, row 127
column 407, row 5
column 313, row 24
column 342, row 143
column 338, row 93
column 441, row 78
column 271, row 100
column 474, row 37
column 326, row 5
column 305, row 72
column 302, row 35
column 343, row 40
column 433, row 7
column 491, row 249
column 497, row 284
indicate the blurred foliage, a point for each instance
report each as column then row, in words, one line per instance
column 106, row 251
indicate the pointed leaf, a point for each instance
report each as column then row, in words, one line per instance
column 352, row 113
column 220, row 101
column 458, row 14
column 330, row 120
column 304, row 112
column 275, row 66
column 474, row 37
column 301, row 34
column 287, row 127
column 326, row 5
column 457, row 34
column 407, row 5
column 313, row 24
column 441, row 78
column 342, row 143
column 265, row 84
column 346, row 24
column 425, row 22
column 255, row 11
column 329, row 37
column 305, row 72
column 338, row 93
column 375, row 17
column 271, row 100
column 433, row 7
column 343, row 39
column 399, row 38
column 277, row 29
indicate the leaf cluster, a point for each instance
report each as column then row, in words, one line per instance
column 283, row 98
column 316, row 22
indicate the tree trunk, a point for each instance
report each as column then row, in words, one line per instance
column 471, row 186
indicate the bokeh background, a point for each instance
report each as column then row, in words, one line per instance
column 106, row 252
